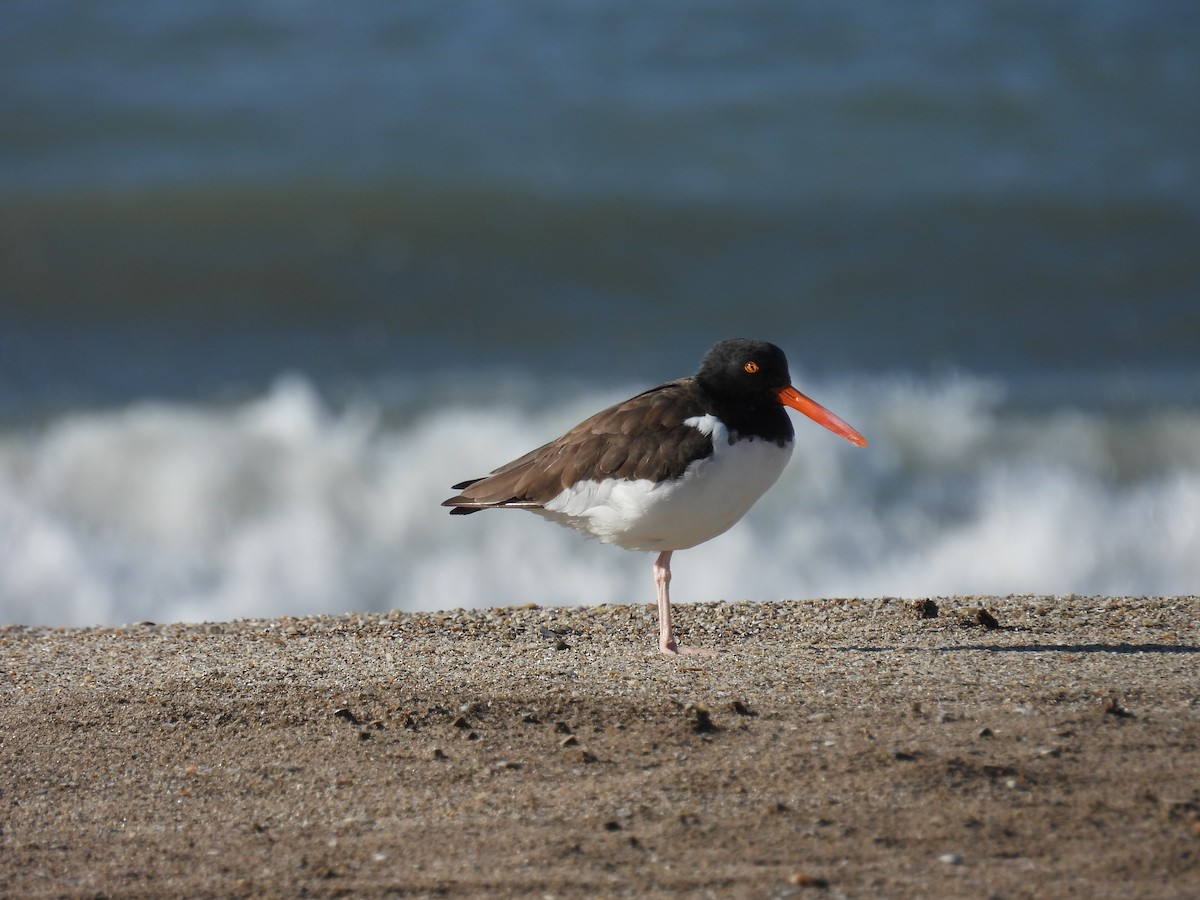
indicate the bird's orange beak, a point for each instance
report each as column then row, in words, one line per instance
column 789, row 396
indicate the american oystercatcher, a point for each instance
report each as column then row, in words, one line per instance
column 668, row 469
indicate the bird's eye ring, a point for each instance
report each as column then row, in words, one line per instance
column 750, row 367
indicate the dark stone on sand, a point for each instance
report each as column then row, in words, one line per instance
column 924, row 609
column 702, row 722
column 1113, row 707
column 986, row 619
column 803, row 879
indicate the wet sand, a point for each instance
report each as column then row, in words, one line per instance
column 964, row 746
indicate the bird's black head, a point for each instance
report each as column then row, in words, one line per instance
column 744, row 369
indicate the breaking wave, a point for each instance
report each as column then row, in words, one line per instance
column 290, row 504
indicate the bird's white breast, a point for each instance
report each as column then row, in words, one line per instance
column 710, row 496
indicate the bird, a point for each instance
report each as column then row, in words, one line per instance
column 667, row 469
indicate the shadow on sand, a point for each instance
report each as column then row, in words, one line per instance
column 1168, row 649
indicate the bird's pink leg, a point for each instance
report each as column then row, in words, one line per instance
column 666, row 636
column 662, row 587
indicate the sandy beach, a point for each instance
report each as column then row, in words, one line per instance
column 954, row 747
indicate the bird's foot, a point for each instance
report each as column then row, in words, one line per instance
column 673, row 649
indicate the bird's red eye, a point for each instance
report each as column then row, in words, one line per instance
column 750, row 367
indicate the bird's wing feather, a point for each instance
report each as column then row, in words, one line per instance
column 642, row 437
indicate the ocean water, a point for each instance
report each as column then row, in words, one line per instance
column 273, row 276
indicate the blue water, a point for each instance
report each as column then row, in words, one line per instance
column 272, row 275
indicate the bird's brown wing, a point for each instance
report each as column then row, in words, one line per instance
column 643, row 437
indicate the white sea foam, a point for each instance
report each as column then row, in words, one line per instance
column 284, row 505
